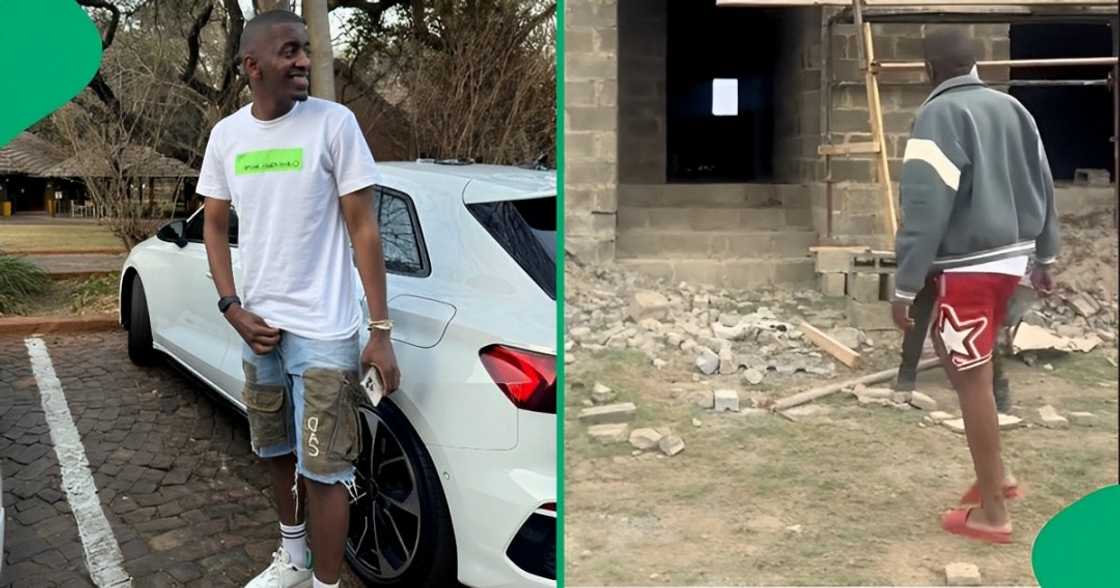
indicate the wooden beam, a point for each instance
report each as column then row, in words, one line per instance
column 1060, row 62
column 852, row 248
column 849, row 148
column 841, row 352
column 822, row 391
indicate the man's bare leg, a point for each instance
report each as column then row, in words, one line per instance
column 981, row 427
column 330, row 520
column 283, row 470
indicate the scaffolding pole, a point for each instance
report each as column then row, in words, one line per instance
column 872, row 68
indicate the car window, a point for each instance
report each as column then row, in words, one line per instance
column 402, row 241
column 526, row 229
column 193, row 232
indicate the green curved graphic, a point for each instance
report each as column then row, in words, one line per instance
column 53, row 50
column 1079, row 547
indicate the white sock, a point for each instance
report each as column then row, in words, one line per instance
column 295, row 543
column 317, row 583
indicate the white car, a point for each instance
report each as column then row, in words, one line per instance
column 457, row 475
column 3, row 517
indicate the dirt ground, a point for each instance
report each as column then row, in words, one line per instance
column 849, row 497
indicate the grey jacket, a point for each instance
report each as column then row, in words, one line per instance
column 976, row 185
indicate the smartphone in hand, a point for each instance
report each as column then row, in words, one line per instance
column 373, row 386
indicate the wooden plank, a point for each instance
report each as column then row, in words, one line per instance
column 875, row 110
column 822, row 391
column 1058, row 62
column 852, row 248
column 849, row 148
column 841, row 352
column 922, row 3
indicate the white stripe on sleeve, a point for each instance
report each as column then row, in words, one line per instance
column 928, row 151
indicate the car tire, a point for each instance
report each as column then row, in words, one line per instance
column 387, row 436
column 140, row 349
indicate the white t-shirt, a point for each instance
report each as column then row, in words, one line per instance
column 285, row 177
column 1011, row 266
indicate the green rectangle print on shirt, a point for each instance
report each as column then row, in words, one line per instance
column 268, row 160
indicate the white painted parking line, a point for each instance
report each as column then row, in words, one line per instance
column 103, row 555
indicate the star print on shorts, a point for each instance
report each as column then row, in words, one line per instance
column 970, row 307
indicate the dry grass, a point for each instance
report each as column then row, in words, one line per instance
column 56, row 237
column 864, row 485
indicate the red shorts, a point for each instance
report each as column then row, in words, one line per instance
column 970, row 310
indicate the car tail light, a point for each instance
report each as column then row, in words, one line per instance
column 527, row 378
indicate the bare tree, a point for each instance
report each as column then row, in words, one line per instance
column 115, row 156
column 439, row 78
column 485, row 89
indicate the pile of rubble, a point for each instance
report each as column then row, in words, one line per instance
column 1086, row 300
column 720, row 331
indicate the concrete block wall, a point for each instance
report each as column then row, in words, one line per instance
column 901, row 93
column 797, row 86
column 590, row 128
column 857, row 197
column 642, row 122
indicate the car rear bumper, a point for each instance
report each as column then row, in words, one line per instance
column 496, row 500
column 3, row 518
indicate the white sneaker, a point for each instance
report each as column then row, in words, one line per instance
column 282, row 574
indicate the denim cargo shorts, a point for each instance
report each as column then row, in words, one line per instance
column 303, row 398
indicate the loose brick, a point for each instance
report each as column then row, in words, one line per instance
column 610, row 413
column 726, row 400
column 863, row 287
column 962, row 574
column 1051, row 419
column 609, row 433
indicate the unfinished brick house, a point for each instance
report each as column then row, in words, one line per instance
column 692, row 130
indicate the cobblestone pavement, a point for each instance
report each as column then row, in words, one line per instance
column 186, row 499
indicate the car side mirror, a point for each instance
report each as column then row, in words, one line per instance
column 172, row 232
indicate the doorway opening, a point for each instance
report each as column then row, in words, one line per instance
column 720, row 108
column 1075, row 121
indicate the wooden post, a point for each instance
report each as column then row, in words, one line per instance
column 322, row 58
column 875, row 111
column 1116, row 120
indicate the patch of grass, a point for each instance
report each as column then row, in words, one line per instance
column 1084, row 368
column 19, row 281
column 57, row 237
column 77, row 296
column 93, row 291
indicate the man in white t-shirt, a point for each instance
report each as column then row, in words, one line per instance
column 301, row 177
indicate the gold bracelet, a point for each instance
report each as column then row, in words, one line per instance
column 384, row 325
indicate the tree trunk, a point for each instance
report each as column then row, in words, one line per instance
column 266, row 5
column 322, row 60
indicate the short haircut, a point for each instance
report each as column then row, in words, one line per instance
column 949, row 49
column 259, row 26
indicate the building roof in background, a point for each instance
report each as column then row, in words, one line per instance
column 136, row 161
column 28, row 154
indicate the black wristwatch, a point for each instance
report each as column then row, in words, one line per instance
column 226, row 301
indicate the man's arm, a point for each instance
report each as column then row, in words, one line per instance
column 931, row 171
column 1047, row 243
column 357, row 211
column 215, row 234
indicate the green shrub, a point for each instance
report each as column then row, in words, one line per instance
column 19, row 280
